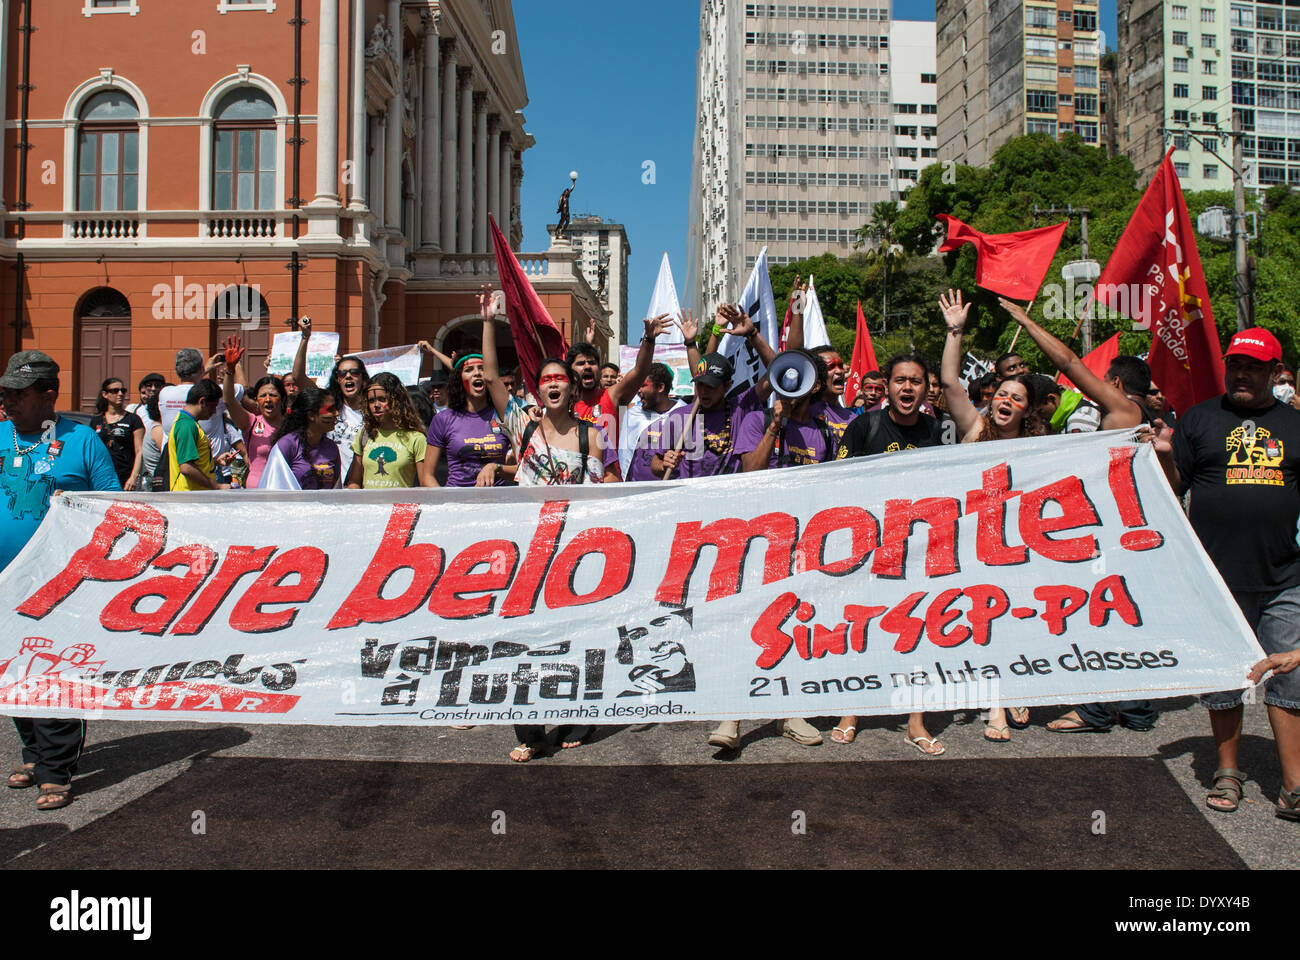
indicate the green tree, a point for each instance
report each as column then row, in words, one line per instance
column 381, row 456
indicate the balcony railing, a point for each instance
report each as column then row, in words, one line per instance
column 104, row 228
column 239, row 226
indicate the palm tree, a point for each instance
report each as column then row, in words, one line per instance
column 880, row 236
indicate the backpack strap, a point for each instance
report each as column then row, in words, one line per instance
column 526, row 437
column 873, row 428
column 828, row 439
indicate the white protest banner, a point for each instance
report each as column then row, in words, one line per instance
column 664, row 300
column 758, row 303
column 321, row 350
column 814, row 324
column 404, row 362
column 1056, row 570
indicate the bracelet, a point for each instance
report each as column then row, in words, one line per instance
column 718, row 331
column 753, row 332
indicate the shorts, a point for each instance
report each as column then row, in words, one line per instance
column 1275, row 618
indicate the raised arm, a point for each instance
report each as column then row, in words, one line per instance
column 233, row 350
column 628, row 384
column 739, row 325
column 1117, row 410
column 299, row 371
column 491, row 375
column 798, row 297
column 690, row 333
column 962, row 410
column 428, row 348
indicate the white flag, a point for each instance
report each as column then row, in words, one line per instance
column 757, row 301
column 277, row 474
column 664, row 300
column 814, row 324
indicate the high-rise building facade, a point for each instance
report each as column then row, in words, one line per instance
column 601, row 246
column 1186, row 67
column 914, row 97
column 1008, row 68
column 793, row 133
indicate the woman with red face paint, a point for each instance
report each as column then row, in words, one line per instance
column 1012, row 413
column 469, row 433
column 557, row 450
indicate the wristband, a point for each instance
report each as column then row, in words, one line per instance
column 718, row 331
column 753, row 332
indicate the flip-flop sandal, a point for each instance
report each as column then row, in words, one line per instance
column 1288, row 805
column 61, row 793
column 1011, row 717
column 846, row 734
column 22, row 777
column 1081, row 728
column 524, row 749
column 1233, row 781
column 993, row 729
column 931, row 740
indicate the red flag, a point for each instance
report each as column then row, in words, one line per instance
column 1098, row 361
column 1012, row 264
column 535, row 334
column 864, row 359
column 1154, row 277
column 785, row 323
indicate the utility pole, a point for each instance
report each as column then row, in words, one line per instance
column 1088, row 274
column 1241, row 278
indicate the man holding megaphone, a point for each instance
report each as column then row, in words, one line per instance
column 789, row 436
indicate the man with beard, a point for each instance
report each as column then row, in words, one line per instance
column 899, row 426
column 643, row 423
column 599, row 405
column 1239, row 455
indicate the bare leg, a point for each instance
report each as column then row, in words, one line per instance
column 1225, row 725
column 997, row 731
column 916, row 728
column 1286, row 734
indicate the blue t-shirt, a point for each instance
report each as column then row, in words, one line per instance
column 76, row 460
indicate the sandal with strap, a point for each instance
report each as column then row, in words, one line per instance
column 1013, row 713
column 56, row 794
column 22, row 777
column 1288, row 805
column 1228, row 784
column 845, row 734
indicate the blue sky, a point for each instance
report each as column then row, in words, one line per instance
column 611, row 85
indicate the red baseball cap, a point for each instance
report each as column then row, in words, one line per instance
column 1256, row 343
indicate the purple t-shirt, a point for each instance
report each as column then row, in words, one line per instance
column 800, row 442
column 469, row 440
column 316, row 468
column 834, row 414
column 714, row 445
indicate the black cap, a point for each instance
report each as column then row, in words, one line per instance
column 438, row 378
column 27, row 367
column 713, row 370
column 157, row 378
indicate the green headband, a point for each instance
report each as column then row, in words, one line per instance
column 468, row 356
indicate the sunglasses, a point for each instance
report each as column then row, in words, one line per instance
column 352, row 373
column 116, row 390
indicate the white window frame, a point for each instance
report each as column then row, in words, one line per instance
column 107, row 80
column 207, row 123
column 260, row 6
column 90, row 10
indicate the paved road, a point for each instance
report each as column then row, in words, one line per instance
column 654, row 794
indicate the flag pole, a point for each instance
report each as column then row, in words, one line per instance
column 681, row 441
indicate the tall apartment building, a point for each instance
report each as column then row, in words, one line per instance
column 178, row 183
column 598, row 242
column 1186, row 67
column 914, row 95
column 1008, row 68
column 793, row 130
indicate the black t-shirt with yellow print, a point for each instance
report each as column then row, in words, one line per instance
column 1241, row 468
column 876, row 432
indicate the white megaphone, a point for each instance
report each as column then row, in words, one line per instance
column 793, row 374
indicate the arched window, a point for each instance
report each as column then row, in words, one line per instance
column 108, row 153
column 244, row 152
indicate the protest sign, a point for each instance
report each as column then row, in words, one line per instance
column 321, row 350
column 404, row 362
column 1056, row 570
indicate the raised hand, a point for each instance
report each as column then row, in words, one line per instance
column 798, row 295
column 304, row 325
column 591, row 331
column 954, row 310
column 1162, row 437
column 232, row 350
column 657, row 325
column 688, row 325
column 1016, row 310
column 735, row 321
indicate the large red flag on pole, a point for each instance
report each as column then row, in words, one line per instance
column 1154, row 277
column 1098, row 361
column 535, row 334
column 1012, row 264
column 864, row 359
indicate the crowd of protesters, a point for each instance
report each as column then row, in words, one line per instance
column 475, row 425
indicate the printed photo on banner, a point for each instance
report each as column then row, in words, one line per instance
column 321, row 350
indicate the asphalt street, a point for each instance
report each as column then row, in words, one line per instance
column 654, row 795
